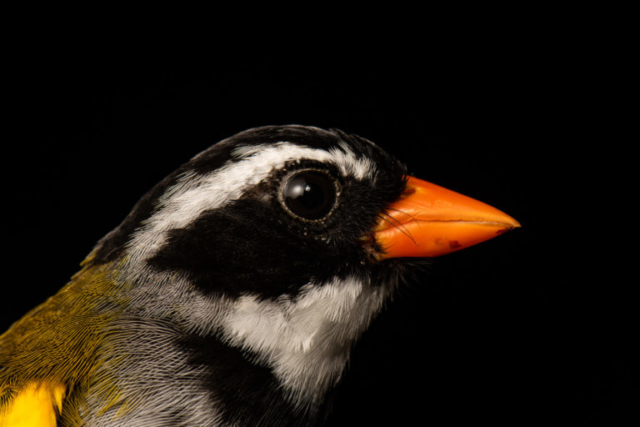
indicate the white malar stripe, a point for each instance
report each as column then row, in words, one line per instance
column 193, row 194
column 305, row 340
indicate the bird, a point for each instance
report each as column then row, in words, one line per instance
column 235, row 290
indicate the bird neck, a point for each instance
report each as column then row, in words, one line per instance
column 305, row 340
column 258, row 358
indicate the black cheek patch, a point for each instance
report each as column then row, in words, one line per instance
column 245, row 248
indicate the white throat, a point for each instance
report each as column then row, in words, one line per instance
column 305, row 340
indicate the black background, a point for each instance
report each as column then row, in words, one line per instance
column 506, row 332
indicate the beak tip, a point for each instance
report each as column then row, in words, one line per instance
column 514, row 224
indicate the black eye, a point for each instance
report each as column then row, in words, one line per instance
column 310, row 194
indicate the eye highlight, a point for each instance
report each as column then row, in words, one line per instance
column 310, row 194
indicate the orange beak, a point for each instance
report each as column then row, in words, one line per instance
column 430, row 221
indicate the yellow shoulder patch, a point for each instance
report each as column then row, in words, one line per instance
column 35, row 405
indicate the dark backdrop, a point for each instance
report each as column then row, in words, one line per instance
column 505, row 332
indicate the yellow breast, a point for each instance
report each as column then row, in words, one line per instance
column 36, row 405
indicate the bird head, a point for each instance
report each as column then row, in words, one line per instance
column 282, row 243
column 273, row 209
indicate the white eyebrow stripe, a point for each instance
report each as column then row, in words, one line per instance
column 343, row 157
column 193, row 194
